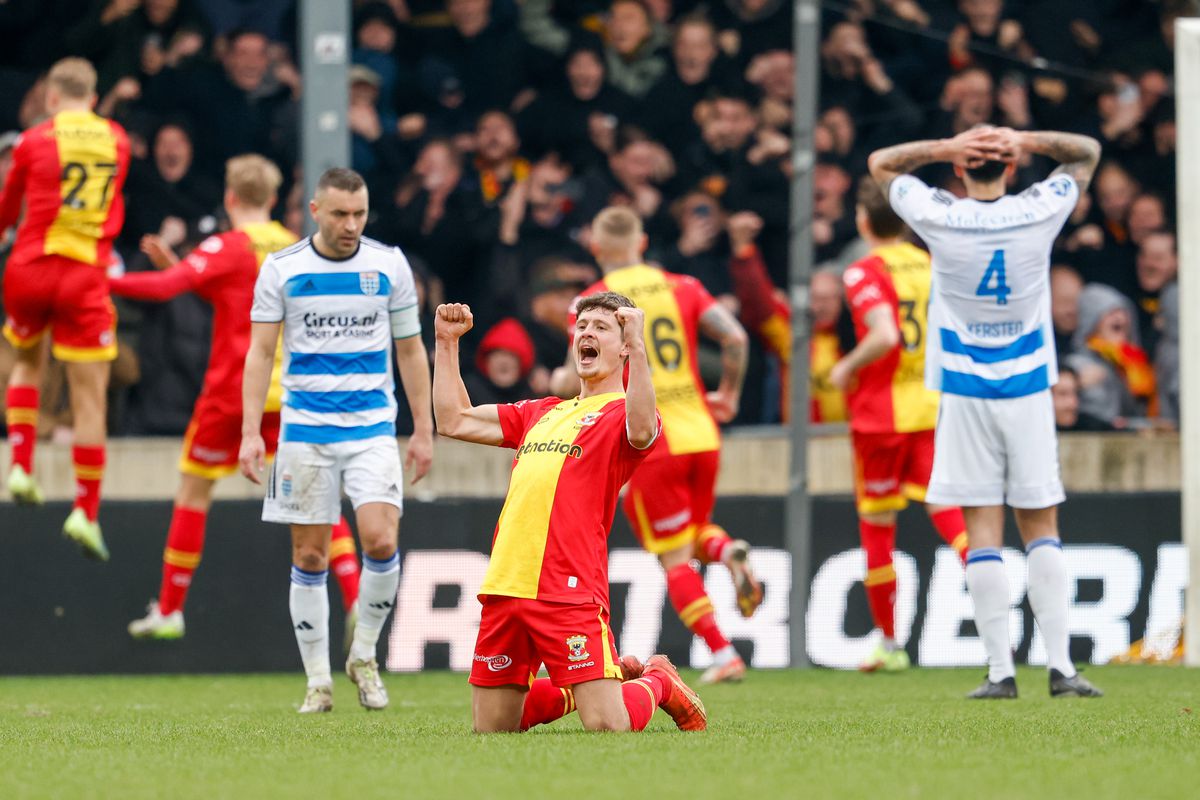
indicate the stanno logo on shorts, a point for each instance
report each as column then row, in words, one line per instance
column 368, row 282
column 576, row 648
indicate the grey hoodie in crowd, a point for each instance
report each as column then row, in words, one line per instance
column 1110, row 398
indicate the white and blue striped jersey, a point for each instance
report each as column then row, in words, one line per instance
column 339, row 319
column 990, row 331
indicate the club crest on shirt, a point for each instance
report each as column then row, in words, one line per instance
column 577, row 648
column 368, row 282
column 590, row 418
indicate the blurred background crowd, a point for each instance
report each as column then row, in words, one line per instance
column 491, row 131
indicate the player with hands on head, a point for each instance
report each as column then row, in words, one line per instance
column 990, row 351
column 545, row 593
column 345, row 305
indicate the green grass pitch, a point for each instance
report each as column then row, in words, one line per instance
column 784, row 734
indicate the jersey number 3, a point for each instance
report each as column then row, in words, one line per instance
column 993, row 283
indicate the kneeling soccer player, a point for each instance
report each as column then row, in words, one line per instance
column 545, row 594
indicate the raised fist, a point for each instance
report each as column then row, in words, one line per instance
column 452, row 320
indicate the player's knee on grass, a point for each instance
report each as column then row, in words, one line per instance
column 497, row 709
column 601, row 706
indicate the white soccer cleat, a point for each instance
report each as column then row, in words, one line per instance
column 372, row 694
column 156, row 625
column 317, row 699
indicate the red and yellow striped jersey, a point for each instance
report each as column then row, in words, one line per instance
column 70, row 171
column 573, row 456
column 889, row 395
column 673, row 305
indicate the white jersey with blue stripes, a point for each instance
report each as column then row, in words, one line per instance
column 990, row 331
column 339, row 319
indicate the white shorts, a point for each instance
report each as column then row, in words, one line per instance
column 306, row 481
column 996, row 452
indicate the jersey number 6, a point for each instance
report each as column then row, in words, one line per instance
column 668, row 350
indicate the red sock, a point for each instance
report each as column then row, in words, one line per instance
column 545, row 703
column 642, row 696
column 185, row 542
column 89, row 470
column 953, row 529
column 343, row 561
column 21, row 417
column 880, row 582
column 711, row 543
column 690, row 601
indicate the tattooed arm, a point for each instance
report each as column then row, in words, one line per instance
column 1077, row 155
column 965, row 150
column 718, row 323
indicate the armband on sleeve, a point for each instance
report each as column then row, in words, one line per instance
column 406, row 322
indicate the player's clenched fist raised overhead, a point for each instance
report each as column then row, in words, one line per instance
column 452, row 320
column 633, row 322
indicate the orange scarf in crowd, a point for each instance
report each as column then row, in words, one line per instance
column 1133, row 366
column 490, row 183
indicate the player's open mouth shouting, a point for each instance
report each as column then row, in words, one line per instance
column 587, row 352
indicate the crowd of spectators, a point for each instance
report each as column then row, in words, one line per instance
column 491, row 131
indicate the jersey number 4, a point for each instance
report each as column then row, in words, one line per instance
column 993, row 283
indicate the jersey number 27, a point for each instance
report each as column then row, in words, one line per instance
column 993, row 283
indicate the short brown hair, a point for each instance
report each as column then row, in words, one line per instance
column 343, row 178
column 254, row 180
column 618, row 223
column 74, row 77
column 881, row 218
column 609, row 301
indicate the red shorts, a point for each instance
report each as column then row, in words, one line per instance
column 890, row 469
column 210, row 446
column 68, row 298
column 517, row 636
column 670, row 498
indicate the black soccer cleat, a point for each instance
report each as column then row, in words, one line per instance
column 1005, row 689
column 1074, row 686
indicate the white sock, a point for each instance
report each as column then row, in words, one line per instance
column 1048, row 590
column 376, row 597
column 988, row 585
column 725, row 655
column 309, row 603
column 889, row 644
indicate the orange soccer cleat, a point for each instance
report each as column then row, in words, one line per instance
column 731, row 672
column 745, row 583
column 683, row 704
